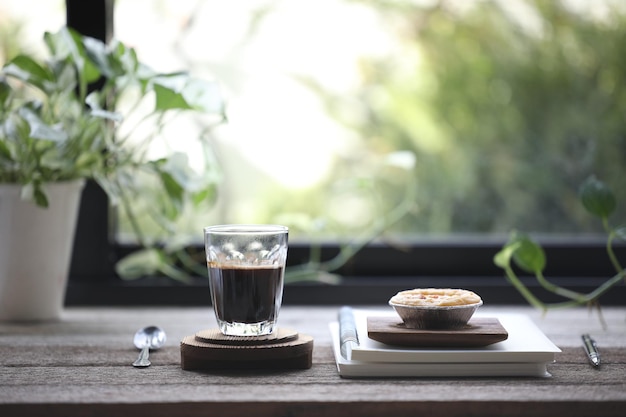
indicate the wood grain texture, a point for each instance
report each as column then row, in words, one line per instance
column 81, row 366
column 479, row 331
column 205, row 351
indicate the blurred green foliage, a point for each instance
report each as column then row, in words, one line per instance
column 506, row 112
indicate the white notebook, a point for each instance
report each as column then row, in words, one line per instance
column 526, row 352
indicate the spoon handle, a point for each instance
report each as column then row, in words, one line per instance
column 142, row 361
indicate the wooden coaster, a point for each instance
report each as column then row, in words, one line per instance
column 216, row 336
column 206, row 350
column 479, row 331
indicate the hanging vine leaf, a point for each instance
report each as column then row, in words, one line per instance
column 528, row 255
column 597, row 198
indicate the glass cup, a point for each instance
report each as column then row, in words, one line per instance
column 246, row 266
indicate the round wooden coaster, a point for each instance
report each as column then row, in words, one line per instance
column 296, row 353
column 282, row 335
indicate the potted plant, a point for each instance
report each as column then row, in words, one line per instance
column 55, row 134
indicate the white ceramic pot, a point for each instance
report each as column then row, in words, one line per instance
column 35, row 251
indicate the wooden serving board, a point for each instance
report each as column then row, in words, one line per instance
column 479, row 331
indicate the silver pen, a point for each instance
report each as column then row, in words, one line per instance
column 591, row 349
column 348, row 336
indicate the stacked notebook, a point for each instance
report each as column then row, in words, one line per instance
column 525, row 350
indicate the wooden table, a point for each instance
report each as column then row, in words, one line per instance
column 81, row 366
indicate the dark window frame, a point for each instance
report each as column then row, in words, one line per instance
column 370, row 277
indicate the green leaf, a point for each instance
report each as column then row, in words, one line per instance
column 53, row 160
column 145, row 75
column 175, row 175
column 168, row 98
column 175, row 191
column 207, row 195
column 5, row 92
column 68, row 44
column 503, row 258
column 179, row 91
column 88, row 160
column 5, row 152
column 41, row 198
column 122, row 60
column 39, row 129
column 96, row 50
column 27, row 192
column 93, row 101
column 26, row 69
column 34, row 192
column 597, row 198
column 66, row 80
column 528, row 255
column 17, row 131
column 140, row 263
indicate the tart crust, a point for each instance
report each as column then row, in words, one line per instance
column 435, row 297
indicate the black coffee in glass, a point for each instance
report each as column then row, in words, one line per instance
column 246, row 265
column 247, row 294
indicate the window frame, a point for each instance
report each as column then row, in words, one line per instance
column 369, row 278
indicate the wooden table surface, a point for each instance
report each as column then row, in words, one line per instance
column 81, row 366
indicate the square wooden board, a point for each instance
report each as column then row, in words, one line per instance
column 479, row 331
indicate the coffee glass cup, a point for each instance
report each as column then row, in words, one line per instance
column 246, row 267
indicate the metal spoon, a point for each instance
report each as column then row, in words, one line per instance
column 150, row 337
